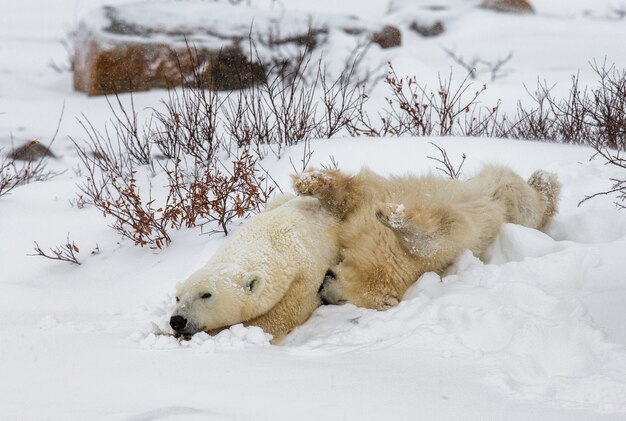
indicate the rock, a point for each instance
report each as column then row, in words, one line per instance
column 388, row 37
column 139, row 67
column 431, row 30
column 161, row 44
column 146, row 44
column 511, row 6
column 427, row 17
column 31, row 151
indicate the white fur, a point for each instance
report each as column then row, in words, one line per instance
column 294, row 239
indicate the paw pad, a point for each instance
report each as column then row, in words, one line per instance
column 393, row 215
column 310, row 181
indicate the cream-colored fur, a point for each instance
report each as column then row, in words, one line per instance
column 294, row 308
column 268, row 274
column 395, row 229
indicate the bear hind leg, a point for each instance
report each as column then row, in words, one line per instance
column 422, row 232
column 331, row 187
column 549, row 188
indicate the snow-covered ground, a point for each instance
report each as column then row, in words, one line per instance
column 536, row 332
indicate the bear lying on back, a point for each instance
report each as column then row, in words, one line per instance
column 392, row 230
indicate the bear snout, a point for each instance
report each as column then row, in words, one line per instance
column 178, row 323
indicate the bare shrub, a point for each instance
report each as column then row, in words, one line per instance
column 64, row 253
column 412, row 109
column 185, row 141
column 14, row 173
column 200, row 187
column 478, row 65
column 619, row 184
column 535, row 123
column 197, row 195
column 607, row 108
column 187, row 133
column 448, row 168
column 342, row 99
column 79, row 201
column 215, row 195
column 134, row 214
column 189, row 124
column 605, row 112
column 293, row 106
column 595, row 116
column 307, row 153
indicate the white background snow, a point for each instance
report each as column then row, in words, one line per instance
column 536, row 332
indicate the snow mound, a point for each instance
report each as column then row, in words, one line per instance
column 519, row 315
column 515, row 243
column 236, row 337
column 158, row 335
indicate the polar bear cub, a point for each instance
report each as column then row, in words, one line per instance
column 393, row 230
column 268, row 274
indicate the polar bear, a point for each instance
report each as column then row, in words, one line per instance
column 268, row 274
column 395, row 229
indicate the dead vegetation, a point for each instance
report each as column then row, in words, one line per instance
column 64, row 253
column 204, row 147
column 446, row 165
column 200, row 186
column 27, row 163
column 593, row 116
column 478, row 65
column 14, row 172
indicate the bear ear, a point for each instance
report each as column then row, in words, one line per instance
column 253, row 284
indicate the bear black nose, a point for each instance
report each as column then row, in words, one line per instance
column 178, row 323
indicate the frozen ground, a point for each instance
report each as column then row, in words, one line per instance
column 536, row 332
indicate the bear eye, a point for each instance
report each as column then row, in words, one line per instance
column 206, row 295
column 177, row 299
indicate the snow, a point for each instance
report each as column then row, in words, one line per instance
column 536, row 331
column 206, row 23
column 236, row 337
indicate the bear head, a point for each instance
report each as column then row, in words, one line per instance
column 214, row 297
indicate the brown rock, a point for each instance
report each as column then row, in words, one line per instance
column 116, row 70
column 31, row 151
column 388, row 37
column 230, row 69
column 428, row 30
column 119, row 51
column 139, row 67
column 142, row 45
column 510, row 6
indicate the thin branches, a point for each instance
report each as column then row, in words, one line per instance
column 65, row 253
column 479, row 65
column 448, row 168
column 14, row 172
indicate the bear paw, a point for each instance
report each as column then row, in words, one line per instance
column 388, row 302
column 329, row 291
column 392, row 215
column 312, row 182
column 548, row 186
